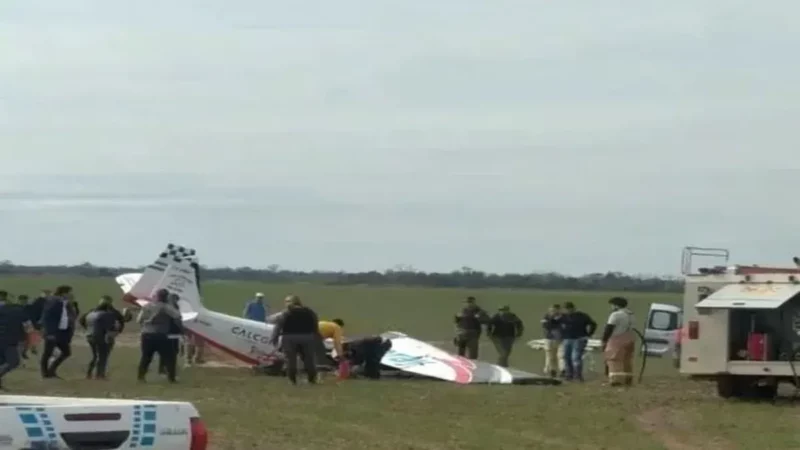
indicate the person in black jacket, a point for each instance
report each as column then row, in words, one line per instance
column 504, row 328
column 58, row 326
column 175, row 335
column 576, row 329
column 101, row 326
column 35, row 309
column 298, row 330
column 14, row 326
column 368, row 352
column 469, row 325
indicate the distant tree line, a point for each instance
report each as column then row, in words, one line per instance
column 398, row 276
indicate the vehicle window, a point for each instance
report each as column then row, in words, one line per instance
column 703, row 292
column 663, row 320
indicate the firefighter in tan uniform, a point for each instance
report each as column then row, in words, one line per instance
column 619, row 343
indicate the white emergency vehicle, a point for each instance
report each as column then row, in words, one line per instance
column 31, row 422
column 742, row 325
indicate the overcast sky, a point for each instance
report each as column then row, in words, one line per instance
column 359, row 134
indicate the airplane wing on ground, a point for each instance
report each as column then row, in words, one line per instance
column 418, row 357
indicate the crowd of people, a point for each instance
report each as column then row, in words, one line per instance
column 52, row 318
column 567, row 331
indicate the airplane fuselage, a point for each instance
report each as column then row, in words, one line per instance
column 246, row 340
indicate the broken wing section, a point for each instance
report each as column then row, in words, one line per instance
column 412, row 355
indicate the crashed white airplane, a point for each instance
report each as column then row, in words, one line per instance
column 177, row 269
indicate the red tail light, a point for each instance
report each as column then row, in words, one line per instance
column 694, row 329
column 199, row 434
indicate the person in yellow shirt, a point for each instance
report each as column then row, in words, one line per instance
column 333, row 330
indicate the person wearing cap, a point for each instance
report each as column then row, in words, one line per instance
column 256, row 309
column 619, row 343
column 504, row 328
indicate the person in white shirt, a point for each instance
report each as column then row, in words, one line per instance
column 58, row 326
column 619, row 343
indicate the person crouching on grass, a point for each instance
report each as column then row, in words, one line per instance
column 619, row 343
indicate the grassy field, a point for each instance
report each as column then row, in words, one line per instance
column 249, row 412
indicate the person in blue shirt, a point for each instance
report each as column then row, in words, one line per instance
column 256, row 309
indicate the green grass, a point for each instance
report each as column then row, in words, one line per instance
column 249, row 412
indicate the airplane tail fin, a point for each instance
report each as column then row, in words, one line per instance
column 176, row 269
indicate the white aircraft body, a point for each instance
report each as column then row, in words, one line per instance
column 177, row 269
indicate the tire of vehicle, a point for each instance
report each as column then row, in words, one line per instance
column 729, row 386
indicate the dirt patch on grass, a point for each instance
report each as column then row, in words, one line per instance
column 675, row 431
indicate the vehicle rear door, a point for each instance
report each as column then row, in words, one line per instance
column 663, row 323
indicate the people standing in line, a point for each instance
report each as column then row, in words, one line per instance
column 154, row 319
column 553, row 353
column 58, row 327
column 14, row 325
column 619, row 343
column 576, row 329
column 469, row 327
column 298, row 332
column 175, row 335
column 102, row 326
column 256, row 309
column 504, row 328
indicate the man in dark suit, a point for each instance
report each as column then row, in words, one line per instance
column 58, row 327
